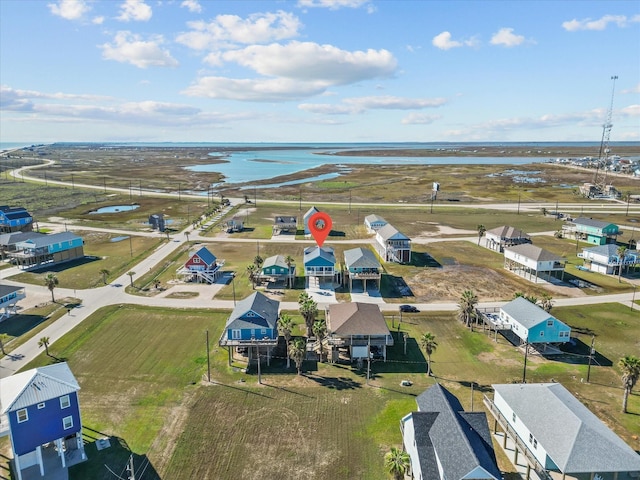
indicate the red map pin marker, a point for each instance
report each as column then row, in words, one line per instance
column 320, row 225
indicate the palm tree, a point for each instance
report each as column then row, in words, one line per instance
column 3, row 339
column 44, row 342
column 104, row 272
column 131, row 274
column 546, row 302
column 258, row 261
column 397, row 462
column 51, row 282
column 289, row 260
column 428, row 342
column 251, row 271
column 467, row 307
column 621, row 251
column 308, row 310
column 481, row 229
column 320, row 331
column 630, row 366
column 285, row 325
column 298, row 350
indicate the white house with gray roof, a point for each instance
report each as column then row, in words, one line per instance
column 393, row 245
column 559, row 435
column 505, row 236
column 533, row 262
column 605, row 259
column 446, row 443
column 362, row 264
column 533, row 324
column 374, row 222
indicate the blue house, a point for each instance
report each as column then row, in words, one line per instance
column 594, row 231
column 533, row 324
column 48, row 249
column 362, row 264
column 276, row 267
column 15, row 219
column 9, row 297
column 40, row 412
column 319, row 262
column 252, row 324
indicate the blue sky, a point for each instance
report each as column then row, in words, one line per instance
column 318, row 70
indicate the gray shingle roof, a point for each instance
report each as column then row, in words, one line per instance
column 534, row 253
column 46, row 240
column 526, row 313
column 264, row 308
column 508, row 232
column 583, row 444
column 13, row 238
column 461, row 440
column 275, row 261
column 374, row 218
column 8, row 289
column 360, row 258
column 590, row 222
column 389, row 232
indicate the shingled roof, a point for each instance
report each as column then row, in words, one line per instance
column 356, row 318
column 534, row 253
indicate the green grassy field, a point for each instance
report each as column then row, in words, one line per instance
column 143, row 376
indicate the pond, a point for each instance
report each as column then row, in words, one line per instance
column 115, row 209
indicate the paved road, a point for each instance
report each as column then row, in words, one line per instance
column 113, row 294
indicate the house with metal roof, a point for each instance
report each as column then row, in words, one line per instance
column 533, row 262
column 374, row 222
column 357, row 326
column 202, row 266
column 362, row 264
column 533, row 324
column 40, row 412
column 505, row 236
column 276, row 268
column 320, row 262
column 9, row 297
column 557, row 435
column 47, row 250
column 592, row 231
column 253, row 324
column 605, row 259
column 8, row 241
column 306, row 217
column 15, row 219
column 392, row 245
column 446, row 443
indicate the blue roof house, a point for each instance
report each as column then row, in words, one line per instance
column 253, row 323
column 48, row 249
column 201, row 266
column 319, row 262
column 15, row 219
column 605, row 259
column 533, row 324
column 446, row 443
column 41, row 414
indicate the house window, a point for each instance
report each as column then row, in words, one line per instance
column 530, row 438
column 263, row 332
column 196, row 260
column 542, row 334
column 40, row 406
column 67, row 422
column 549, row 323
column 513, row 417
column 535, row 443
column 235, row 334
column 64, row 402
column 23, row 415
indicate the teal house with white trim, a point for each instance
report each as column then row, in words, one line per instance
column 595, row 231
column 533, row 324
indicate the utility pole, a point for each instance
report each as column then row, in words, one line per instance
column 524, row 370
column 368, row 359
column 518, row 203
column 258, row 355
column 349, row 201
column 208, row 360
column 591, row 352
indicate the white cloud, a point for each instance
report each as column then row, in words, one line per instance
column 334, row 4
column 443, row 41
column 307, row 61
column 97, row 20
column 419, row 119
column 226, row 30
column 130, row 48
column 135, row 10
column 506, row 37
column 192, row 5
column 600, row 24
column 634, row 89
column 357, row 105
column 630, row 111
column 69, row 9
column 256, row 90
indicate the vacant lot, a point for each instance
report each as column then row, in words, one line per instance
column 142, row 369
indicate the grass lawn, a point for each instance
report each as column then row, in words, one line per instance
column 143, row 370
column 101, row 252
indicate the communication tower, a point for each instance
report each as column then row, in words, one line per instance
column 600, row 178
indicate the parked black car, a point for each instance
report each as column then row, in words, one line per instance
column 408, row 309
